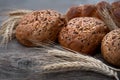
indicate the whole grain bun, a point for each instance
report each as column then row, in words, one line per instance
column 116, row 12
column 87, row 10
column 92, row 10
column 116, row 5
column 102, row 5
column 39, row 26
column 83, row 34
column 110, row 47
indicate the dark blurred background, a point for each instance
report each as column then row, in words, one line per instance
column 60, row 5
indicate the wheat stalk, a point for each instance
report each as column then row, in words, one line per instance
column 14, row 12
column 68, row 54
column 72, row 56
column 75, row 56
column 8, row 26
column 7, row 29
column 19, row 12
column 77, row 65
column 107, row 18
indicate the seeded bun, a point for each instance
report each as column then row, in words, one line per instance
column 39, row 26
column 111, row 47
column 83, row 34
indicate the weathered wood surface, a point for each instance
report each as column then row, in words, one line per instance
column 20, row 63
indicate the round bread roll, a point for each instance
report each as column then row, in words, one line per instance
column 116, row 12
column 87, row 10
column 111, row 47
column 116, row 5
column 83, row 34
column 102, row 5
column 39, row 26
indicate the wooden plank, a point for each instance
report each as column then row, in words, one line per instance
column 20, row 63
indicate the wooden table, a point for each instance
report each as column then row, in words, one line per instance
column 17, row 62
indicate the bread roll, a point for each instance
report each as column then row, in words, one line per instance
column 116, row 5
column 116, row 12
column 92, row 10
column 102, row 5
column 87, row 10
column 39, row 26
column 110, row 47
column 83, row 34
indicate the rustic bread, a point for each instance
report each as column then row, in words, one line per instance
column 91, row 10
column 87, row 10
column 116, row 12
column 83, row 34
column 39, row 26
column 110, row 47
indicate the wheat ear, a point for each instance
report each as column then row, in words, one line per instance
column 70, row 56
column 8, row 26
column 69, row 66
column 19, row 12
column 7, row 29
column 107, row 18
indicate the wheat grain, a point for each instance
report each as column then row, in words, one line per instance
column 69, row 66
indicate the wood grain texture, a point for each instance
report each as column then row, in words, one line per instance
column 20, row 63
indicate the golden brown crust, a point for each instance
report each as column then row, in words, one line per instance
column 39, row 26
column 111, row 47
column 100, row 6
column 73, row 12
column 87, row 10
column 83, row 34
column 115, row 5
column 116, row 12
column 103, row 4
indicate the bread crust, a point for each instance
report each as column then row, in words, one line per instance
column 87, row 10
column 39, row 26
column 83, row 34
column 110, row 47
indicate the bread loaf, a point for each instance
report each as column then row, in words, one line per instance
column 116, row 12
column 86, row 10
column 92, row 10
column 110, row 47
column 83, row 34
column 39, row 26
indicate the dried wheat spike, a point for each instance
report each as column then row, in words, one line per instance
column 107, row 18
column 77, row 65
column 75, row 56
column 19, row 12
column 8, row 26
column 68, row 54
column 7, row 29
